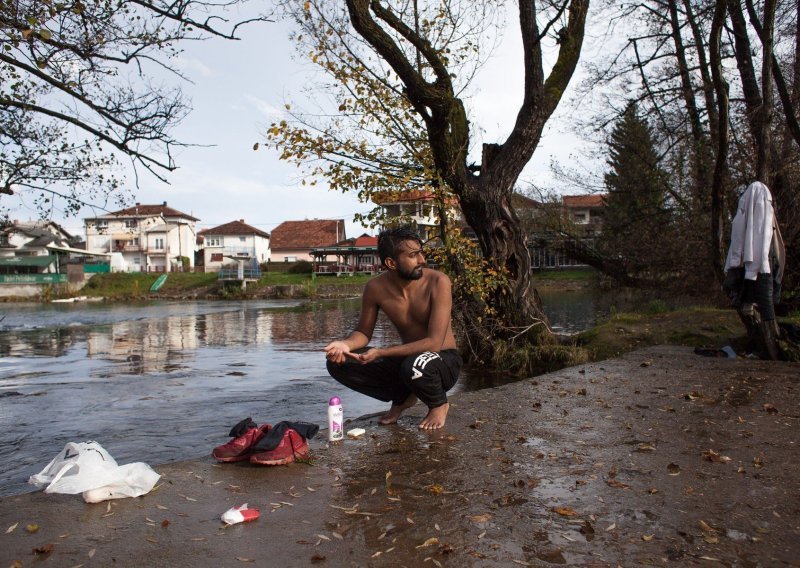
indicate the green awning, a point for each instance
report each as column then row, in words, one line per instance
column 45, row 260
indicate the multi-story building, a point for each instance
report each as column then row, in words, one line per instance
column 416, row 208
column 235, row 240
column 146, row 238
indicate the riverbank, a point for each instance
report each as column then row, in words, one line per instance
column 136, row 286
column 657, row 457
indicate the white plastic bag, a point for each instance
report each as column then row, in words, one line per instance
column 86, row 467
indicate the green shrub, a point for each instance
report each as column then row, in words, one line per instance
column 301, row 267
column 656, row 307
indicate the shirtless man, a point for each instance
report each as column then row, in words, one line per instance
column 418, row 301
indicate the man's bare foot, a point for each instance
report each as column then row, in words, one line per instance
column 396, row 410
column 435, row 418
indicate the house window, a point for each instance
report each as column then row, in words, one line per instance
column 289, row 259
column 216, row 257
column 137, row 260
column 213, row 241
column 131, row 223
column 159, row 244
column 102, row 224
column 242, row 239
column 135, row 241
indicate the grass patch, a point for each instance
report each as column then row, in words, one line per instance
column 692, row 327
column 581, row 275
column 128, row 285
column 286, row 278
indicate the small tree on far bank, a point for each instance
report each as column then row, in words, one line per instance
column 637, row 224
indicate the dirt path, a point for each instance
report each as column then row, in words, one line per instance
column 660, row 457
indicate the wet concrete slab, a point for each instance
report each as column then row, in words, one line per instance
column 660, row 457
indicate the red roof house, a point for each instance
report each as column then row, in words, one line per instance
column 293, row 240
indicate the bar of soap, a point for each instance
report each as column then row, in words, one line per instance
column 356, row 433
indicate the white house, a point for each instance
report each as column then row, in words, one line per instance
column 149, row 238
column 31, row 247
column 415, row 207
column 235, row 240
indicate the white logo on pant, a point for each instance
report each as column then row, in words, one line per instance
column 420, row 362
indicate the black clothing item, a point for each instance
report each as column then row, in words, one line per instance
column 428, row 375
column 275, row 434
column 759, row 292
column 242, row 427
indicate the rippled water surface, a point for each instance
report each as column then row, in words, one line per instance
column 159, row 382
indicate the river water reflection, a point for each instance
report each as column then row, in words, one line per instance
column 159, row 382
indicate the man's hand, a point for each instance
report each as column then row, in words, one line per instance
column 338, row 351
column 366, row 357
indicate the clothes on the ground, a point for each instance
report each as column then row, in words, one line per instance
column 427, row 375
column 271, row 440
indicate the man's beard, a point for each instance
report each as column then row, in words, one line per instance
column 413, row 274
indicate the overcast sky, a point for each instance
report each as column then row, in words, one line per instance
column 240, row 87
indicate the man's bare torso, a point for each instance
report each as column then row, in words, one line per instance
column 409, row 307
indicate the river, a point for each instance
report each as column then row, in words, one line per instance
column 164, row 381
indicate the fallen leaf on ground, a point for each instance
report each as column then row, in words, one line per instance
column 647, row 537
column 480, row 518
column 243, row 559
column 615, row 483
column 32, row 528
column 565, row 511
column 437, row 489
column 430, row 542
column 11, row 528
column 705, row 527
column 44, row 549
column 646, row 448
column 715, row 457
column 611, row 527
column 770, row 409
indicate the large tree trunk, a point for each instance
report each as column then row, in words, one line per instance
column 721, row 138
column 701, row 156
column 485, row 197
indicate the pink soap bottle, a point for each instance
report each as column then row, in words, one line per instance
column 335, row 420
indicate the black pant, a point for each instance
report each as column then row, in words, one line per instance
column 759, row 292
column 428, row 375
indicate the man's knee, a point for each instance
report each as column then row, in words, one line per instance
column 414, row 366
